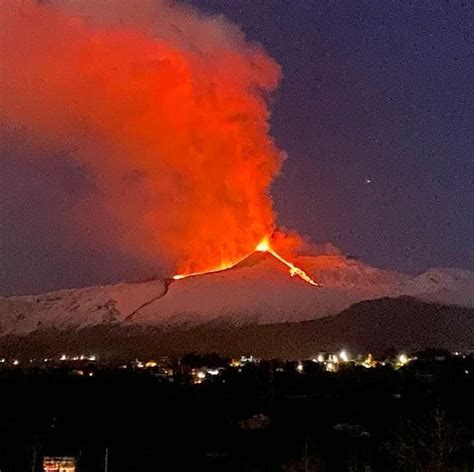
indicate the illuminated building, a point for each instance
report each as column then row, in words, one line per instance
column 369, row 361
column 59, row 464
column 402, row 360
column 344, row 356
column 198, row 375
column 244, row 360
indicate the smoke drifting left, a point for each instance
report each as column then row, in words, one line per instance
column 166, row 112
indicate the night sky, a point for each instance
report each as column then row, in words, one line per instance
column 378, row 92
column 375, row 111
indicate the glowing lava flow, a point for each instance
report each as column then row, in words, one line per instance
column 263, row 246
column 211, row 271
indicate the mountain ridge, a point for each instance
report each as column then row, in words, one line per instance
column 258, row 290
column 377, row 326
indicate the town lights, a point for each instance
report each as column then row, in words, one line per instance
column 344, row 356
column 198, row 376
column 403, row 359
column 369, row 361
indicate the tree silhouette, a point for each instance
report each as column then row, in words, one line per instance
column 425, row 445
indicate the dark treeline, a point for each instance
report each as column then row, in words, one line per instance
column 260, row 417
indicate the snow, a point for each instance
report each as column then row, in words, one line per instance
column 76, row 308
column 259, row 290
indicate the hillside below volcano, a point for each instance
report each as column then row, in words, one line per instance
column 259, row 290
column 377, row 326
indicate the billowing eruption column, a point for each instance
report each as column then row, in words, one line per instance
column 164, row 109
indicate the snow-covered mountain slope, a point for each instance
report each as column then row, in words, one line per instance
column 444, row 285
column 258, row 290
column 76, row 308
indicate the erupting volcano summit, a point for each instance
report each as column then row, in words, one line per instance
column 263, row 246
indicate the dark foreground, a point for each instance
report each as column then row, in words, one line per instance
column 417, row 418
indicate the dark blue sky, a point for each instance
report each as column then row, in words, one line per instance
column 378, row 91
column 375, row 111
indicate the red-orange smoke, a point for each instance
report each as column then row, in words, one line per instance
column 165, row 109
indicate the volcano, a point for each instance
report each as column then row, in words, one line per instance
column 257, row 290
column 262, row 247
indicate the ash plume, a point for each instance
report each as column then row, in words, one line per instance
column 165, row 110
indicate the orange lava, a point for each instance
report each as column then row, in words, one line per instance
column 262, row 246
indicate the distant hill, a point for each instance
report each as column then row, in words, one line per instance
column 402, row 323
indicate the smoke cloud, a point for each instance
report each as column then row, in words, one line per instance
column 164, row 111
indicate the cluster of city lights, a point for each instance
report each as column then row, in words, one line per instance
column 165, row 367
column 160, row 369
column 47, row 360
column 244, row 360
column 199, row 375
column 331, row 361
column 82, row 357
